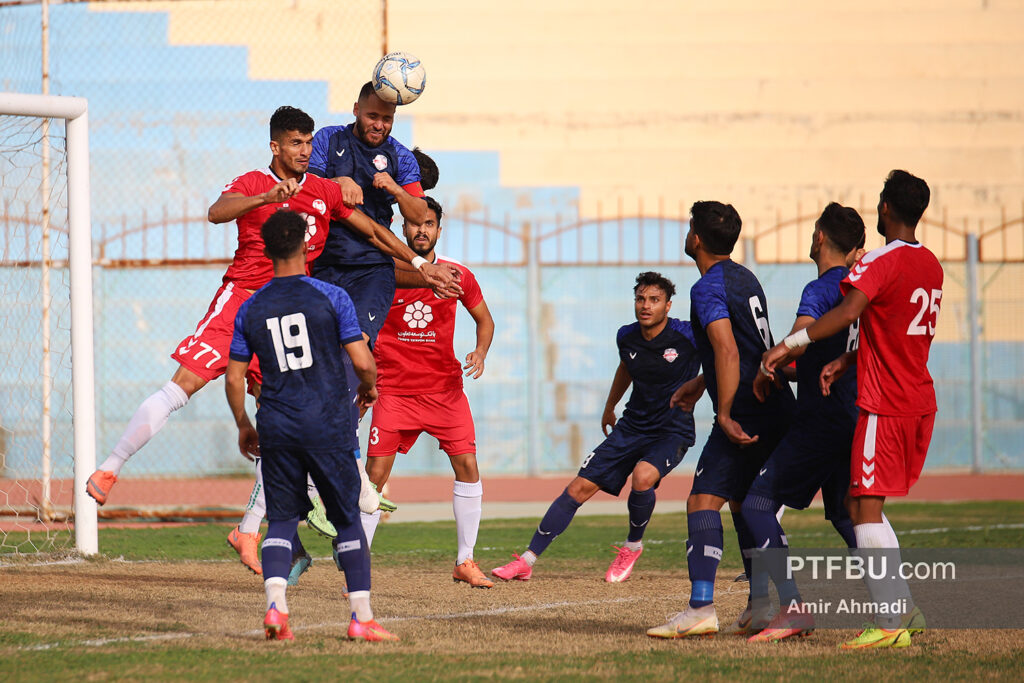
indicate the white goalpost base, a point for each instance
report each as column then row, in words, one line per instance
column 74, row 110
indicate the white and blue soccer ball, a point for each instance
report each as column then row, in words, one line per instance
column 399, row 78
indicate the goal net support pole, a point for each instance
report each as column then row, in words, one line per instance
column 74, row 110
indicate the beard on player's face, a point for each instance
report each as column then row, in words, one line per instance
column 421, row 243
column 690, row 245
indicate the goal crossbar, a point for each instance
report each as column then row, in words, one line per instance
column 74, row 111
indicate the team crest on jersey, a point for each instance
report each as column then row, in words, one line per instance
column 380, row 162
column 320, row 206
column 418, row 315
column 670, row 355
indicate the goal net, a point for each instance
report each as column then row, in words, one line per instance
column 47, row 441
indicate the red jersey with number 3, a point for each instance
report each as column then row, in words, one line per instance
column 415, row 350
column 903, row 284
column 319, row 201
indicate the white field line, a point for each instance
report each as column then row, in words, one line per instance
column 797, row 536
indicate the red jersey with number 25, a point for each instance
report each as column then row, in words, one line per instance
column 415, row 350
column 903, row 284
column 319, row 201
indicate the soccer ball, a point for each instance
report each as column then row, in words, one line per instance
column 399, row 78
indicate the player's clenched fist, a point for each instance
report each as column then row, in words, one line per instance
column 283, row 191
column 351, row 192
column 384, row 181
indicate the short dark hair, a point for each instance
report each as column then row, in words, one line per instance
column 434, row 206
column 290, row 118
column 366, row 91
column 907, row 197
column 843, row 226
column 283, row 234
column 718, row 226
column 429, row 175
column 651, row 279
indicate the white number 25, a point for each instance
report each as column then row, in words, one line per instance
column 929, row 308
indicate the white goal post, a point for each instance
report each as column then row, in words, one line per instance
column 74, row 111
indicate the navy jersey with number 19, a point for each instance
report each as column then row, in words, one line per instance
column 296, row 326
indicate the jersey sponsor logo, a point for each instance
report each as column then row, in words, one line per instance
column 380, row 162
column 320, row 205
column 418, row 315
column 670, row 355
column 632, row 354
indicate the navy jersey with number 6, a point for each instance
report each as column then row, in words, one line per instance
column 729, row 291
column 296, row 326
column 658, row 366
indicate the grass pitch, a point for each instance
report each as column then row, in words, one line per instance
column 174, row 604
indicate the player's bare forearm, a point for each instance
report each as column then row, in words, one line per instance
column 230, row 206
column 413, row 209
column 234, row 388
column 727, row 362
column 474, row 365
column 836, row 369
column 361, row 224
column 840, row 317
column 362, row 361
column 620, row 382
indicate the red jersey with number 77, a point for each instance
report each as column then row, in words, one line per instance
column 318, row 200
column 415, row 350
column 903, row 284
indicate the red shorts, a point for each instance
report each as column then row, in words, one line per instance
column 399, row 420
column 206, row 352
column 888, row 453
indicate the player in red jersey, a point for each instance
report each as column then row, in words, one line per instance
column 251, row 199
column 896, row 292
column 420, row 383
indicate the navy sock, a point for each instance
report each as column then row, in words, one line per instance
column 298, row 550
column 353, row 556
column 556, row 520
column 277, row 548
column 641, row 506
column 759, row 515
column 845, row 528
column 703, row 553
column 746, row 541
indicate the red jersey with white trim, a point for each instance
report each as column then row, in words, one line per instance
column 415, row 349
column 319, row 201
column 903, row 284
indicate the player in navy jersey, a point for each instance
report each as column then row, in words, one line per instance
column 729, row 317
column 656, row 354
column 299, row 328
column 815, row 453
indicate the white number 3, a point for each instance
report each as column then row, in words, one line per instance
column 929, row 307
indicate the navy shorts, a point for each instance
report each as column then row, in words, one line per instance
column 371, row 288
column 333, row 470
column 807, row 459
column 726, row 470
column 610, row 464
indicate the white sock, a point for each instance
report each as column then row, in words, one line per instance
column 275, row 588
column 370, row 523
column 466, row 504
column 528, row 557
column 903, row 589
column 311, row 488
column 877, row 536
column 359, row 601
column 634, row 545
column 257, row 507
column 149, row 418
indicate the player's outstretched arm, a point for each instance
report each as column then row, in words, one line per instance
column 727, row 370
column 231, row 205
column 620, row 382
column 839, row 318
column 407, row 277
column 484, row 335
column 689, row 392
column 234, row 388
column 366, row 371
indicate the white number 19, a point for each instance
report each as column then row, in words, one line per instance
column 285, row 341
